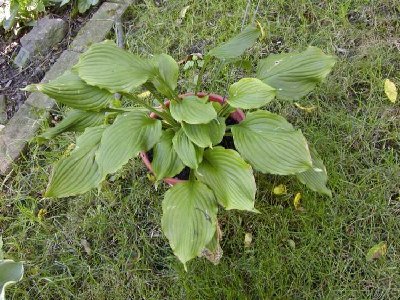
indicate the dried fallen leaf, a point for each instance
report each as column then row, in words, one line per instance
column 280, row 189
column 182, row 14
column 296, row 202
column 144, row 95
column 390, row 90
column 291, row 243
column 41, row 213
column 376, row 251
column 248, row 238
column 86, row 246
column 308, row 109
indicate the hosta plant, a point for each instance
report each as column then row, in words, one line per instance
column 216, row 141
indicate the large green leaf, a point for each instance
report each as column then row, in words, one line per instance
column 206, row 135
column 271, row 144
column 193, row 110
column 238, row 44
column 189, row 218
column 72, row 91
column 75, row 120
column 166, row 162
column 165, row 75
column 79, row 172
column 10, row 272
column 131, row 133
column 294, row 75
column 250, row 93
column 190, row 154
column 107, row 66
column 230, row 177
column 316, row 177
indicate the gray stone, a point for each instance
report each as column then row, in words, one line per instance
column 97, row 28
column 22, row 57
column 3, row 107
column 44, row 35
column 19, row 131
column 47, row 33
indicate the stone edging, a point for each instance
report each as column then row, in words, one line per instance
column 22, row 127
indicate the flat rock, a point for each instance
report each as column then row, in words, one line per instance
column 47, row 33
column 3, row 113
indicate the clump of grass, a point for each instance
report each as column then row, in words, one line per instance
column 108, row 244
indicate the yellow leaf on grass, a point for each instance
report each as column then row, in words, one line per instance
column 280, row 189
column 390, row 90
column 306, row 109
column 376, row 251
column 248, row 238
column 296, row 202
column 41, row 213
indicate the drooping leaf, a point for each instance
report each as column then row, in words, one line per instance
column 213, row 251
column 10, row 272
column 165, row 75
column 109, row 67
column 250, row 93
column 78, row 172
column 75, row 120
column 206, row 135
column 166, row 162
column 189, row 218
column 230, row 178
column 376, row 251
column 316, row 177
column 390, row 90
column 271, row 144
column 129, row 134
column 294, row 75
column 193, row 110
column 190, row 154
column 72, row 91
column 237, row 45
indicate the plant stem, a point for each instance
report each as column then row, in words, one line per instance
column 191, row 175
column 163, row 114
column 224, row 110
column 201, row 73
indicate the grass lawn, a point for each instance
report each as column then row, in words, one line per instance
column 109, row 245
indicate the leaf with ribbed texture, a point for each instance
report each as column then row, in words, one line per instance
column 75, row 120
column 238, row 44
column 72, row 91
column 107, row 66
column 78, row 172
column 206, row 135
column 190, row 154
column 294, row 75
column 166, row 162
column 189, row 218
column 250, row 93
column 131, row 133
column 230, row 177
column 10, row 272
column 165, row 77
column 193, row 110
column 316, row 177
column 271, row 144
